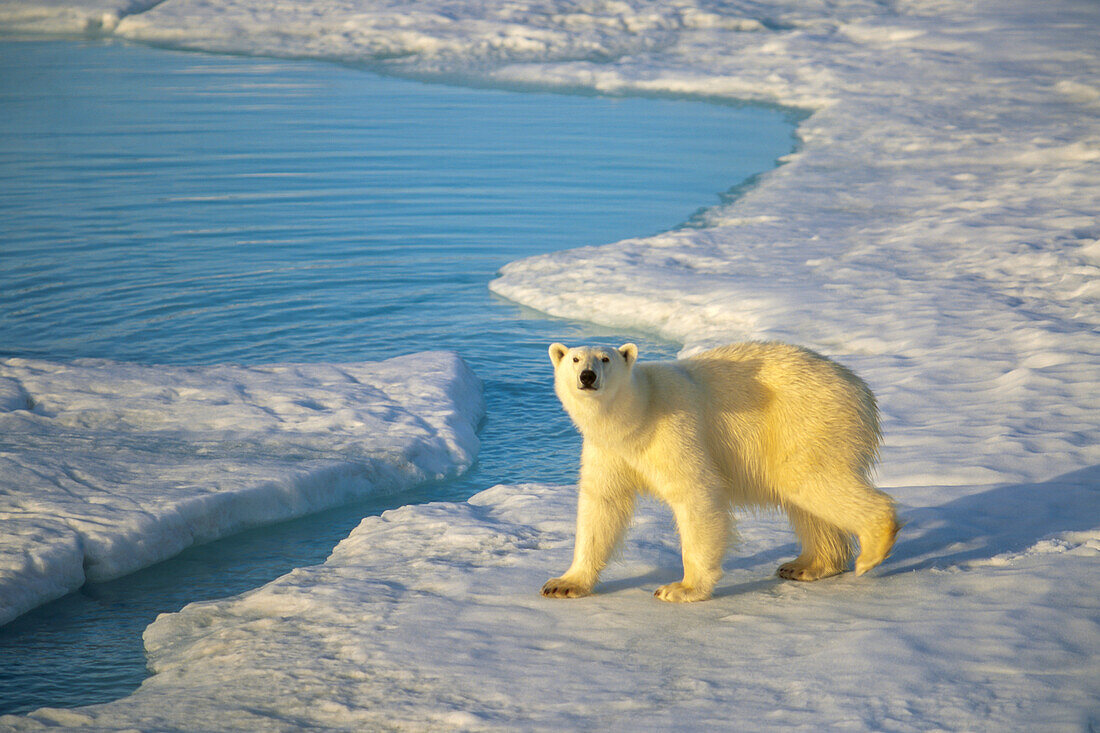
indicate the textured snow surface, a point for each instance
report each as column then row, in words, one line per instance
column 107, row 467
column 937, row 230
column 426, row 618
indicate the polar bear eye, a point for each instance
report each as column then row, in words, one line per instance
column 605, row 360
column 575, row 359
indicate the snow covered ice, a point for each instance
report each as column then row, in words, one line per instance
column 427, row 618
column 108, row 467
column 936, row 231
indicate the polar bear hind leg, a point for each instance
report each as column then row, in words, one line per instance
column 826, row 549
column 825, row 523
column 877, row 543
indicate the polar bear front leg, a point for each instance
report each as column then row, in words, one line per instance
column 705, row 527
column 603, row 512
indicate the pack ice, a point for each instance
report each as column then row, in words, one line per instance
column 936, row 230
column 108, row 467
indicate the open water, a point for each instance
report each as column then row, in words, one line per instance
column 163, row 207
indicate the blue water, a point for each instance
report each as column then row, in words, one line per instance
column 162, row 207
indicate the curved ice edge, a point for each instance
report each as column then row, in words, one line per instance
column 93, row 19
column 111, row 467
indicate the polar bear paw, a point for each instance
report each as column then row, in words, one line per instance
column 561, row 588
column 801, row 570
column 680, row 593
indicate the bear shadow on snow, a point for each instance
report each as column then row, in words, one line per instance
column 1003, row 519
column 978, row 526
column 657, row 543
column 661, row 575
column 766, row 425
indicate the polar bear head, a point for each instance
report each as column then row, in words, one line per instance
column 590, row 373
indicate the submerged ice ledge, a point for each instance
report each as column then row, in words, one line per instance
column 109, row 467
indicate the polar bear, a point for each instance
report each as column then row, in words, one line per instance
column 759, row 424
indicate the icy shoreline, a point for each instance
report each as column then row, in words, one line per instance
column 109, row 467
column 937, row 231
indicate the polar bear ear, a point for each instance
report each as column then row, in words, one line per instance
column 557, row 353
column 629, row 352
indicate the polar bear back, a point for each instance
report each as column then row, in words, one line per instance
column 774, row 414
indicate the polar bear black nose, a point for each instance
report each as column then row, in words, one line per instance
column 588, row 378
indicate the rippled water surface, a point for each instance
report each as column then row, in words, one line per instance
column 163, row 207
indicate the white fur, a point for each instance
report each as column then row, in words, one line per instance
column 753, row 424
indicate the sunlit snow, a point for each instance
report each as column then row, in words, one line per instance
column 937, row 231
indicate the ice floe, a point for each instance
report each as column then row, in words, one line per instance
column 936, row 230
column 108, row 467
